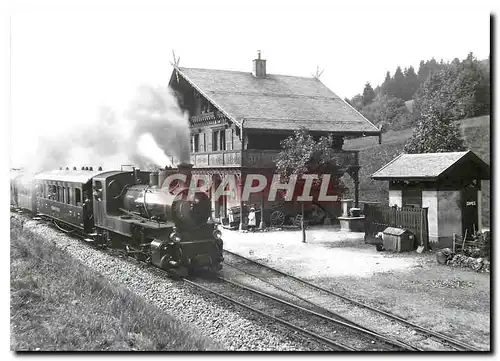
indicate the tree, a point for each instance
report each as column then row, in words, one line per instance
column 410, row 83
column 472, row 86
column 387, row 84
column 399, row 83
column 435, row 133
column 388, row 109
column 302, row 154
column 458, row 90
column 357, row 102
column 368, row 94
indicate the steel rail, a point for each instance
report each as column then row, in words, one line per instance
column 313, row 335
column 390, row 315
column 345, row 324
column 345, row 321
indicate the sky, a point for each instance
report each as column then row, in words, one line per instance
column 69, row 58
column 63, row 59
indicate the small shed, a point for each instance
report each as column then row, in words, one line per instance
column 398, row 239
column 447, row 184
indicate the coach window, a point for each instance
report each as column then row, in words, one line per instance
column 68, row 198
column 78, row 196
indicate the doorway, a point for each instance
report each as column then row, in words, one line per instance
column 469, row 210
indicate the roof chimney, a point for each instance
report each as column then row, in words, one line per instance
column 259, row 67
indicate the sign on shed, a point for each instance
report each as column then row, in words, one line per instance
column 398, row 239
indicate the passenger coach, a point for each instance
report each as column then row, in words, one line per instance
column 66, row 196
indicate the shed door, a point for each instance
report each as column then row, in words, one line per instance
column 469, row 210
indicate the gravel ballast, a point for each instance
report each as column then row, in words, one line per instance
column 233, row 327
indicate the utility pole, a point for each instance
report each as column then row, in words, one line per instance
column 241, row 178
column 302, row 225
column 262, row 224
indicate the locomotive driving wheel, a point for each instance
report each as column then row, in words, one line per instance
column 277, row 218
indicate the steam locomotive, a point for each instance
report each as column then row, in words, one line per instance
column 129, row 209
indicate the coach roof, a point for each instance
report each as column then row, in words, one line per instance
column 72, row 176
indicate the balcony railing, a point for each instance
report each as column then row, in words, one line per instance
column 211, row 117
column 255, row 158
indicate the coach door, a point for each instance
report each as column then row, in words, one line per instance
column 99, row 203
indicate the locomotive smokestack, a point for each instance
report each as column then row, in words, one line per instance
column 162, row 175
column 185, row 168
column 136, row 175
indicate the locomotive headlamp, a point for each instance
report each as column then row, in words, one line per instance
column 175, row 237
column 217, row 234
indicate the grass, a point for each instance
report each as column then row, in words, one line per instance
column 58, row 304
column 414, row 286
column 446, row 299
column 372, row 156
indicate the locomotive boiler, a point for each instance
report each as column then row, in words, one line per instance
column 165, row 200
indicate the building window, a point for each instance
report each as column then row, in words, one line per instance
column 222, row 139
column 196, row 143
column 219, row 140
column 214, row 140
column 412, row 198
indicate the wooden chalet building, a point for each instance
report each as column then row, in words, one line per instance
column 238, row 119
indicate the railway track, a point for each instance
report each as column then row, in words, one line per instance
column 332, row 333
column 333, row 304
column 325, row 326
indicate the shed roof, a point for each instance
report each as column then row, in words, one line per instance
column 431, row 166
column 277, row 102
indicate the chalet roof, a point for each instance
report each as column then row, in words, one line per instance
column 278, row 102
column 431, row 166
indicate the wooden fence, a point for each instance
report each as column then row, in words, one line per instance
column 378, row 217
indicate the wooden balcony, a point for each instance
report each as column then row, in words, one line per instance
column 255, row 158
column 208, row 118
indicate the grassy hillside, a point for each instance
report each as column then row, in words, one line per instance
column 59, row 304
column 372, row 156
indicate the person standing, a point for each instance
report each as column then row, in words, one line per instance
column 252, row 219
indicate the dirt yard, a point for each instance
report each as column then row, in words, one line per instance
column 414, row 286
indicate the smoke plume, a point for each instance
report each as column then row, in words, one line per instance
column 150, row 130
